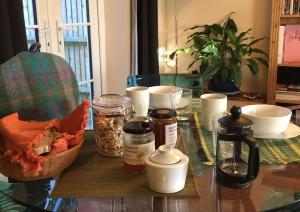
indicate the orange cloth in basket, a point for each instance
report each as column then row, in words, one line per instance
column 18, row 137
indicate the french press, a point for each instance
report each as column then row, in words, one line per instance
column 237, row 155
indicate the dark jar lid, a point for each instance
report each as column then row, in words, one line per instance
column 235, row 121
column 137, row 127
column 162, row 113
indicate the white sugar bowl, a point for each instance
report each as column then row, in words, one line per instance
column 166, row 169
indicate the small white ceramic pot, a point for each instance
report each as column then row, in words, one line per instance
column 166, row 169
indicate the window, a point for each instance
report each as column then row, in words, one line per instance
column 68, row 28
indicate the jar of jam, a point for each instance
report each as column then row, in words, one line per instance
column 110, row 113
column 164, row 126
column 138, row 143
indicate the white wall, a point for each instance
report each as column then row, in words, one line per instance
column 253, row 14
column 117, row 45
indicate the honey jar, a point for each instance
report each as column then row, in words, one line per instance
column 164, row 126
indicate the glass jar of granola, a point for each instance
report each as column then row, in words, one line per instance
column 110, row 113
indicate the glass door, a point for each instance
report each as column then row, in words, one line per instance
column 68, row 28
column 73, row 32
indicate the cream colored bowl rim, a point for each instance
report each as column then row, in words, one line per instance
column 164, row 89
column 246, row 110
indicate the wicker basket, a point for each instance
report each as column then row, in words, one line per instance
column 52, row 166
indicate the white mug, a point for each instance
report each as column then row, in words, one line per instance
column 140, row 99
column 212, row 105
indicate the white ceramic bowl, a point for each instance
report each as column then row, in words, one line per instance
column 164, row 96
column 267, row 119
column 164, row 174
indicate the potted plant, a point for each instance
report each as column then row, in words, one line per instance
column 222, row 52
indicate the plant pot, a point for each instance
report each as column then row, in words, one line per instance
column 228, row 88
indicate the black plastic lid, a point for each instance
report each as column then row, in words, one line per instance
column 137, row 127
column 235, row 121
column 162, row 113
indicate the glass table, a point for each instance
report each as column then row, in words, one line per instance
column 277, row 187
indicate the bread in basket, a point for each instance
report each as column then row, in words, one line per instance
column 24, row 143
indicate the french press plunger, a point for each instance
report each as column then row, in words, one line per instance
column 237, row 154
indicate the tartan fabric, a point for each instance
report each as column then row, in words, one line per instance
column 40, row 86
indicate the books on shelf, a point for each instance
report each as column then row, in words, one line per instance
column 280, row 44
column 288, row 95
column 288, row 91
column 291, row 7
column 291, row 46
column 288, row 87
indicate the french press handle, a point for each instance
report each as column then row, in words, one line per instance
column 253, row 161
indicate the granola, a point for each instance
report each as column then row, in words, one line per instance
column 109, row 132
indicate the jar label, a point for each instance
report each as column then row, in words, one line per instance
column 171, row 134
column 135, row 154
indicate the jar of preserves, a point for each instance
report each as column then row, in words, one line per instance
column 164, row 126
column 110, row 113
column 138, row 143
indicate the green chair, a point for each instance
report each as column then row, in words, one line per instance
column 192, row 81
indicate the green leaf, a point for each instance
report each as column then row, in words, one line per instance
column 195, row 34
column 172, row 55
column 192, row 28
column 231, row 26
column 182, row 50
column 191, row 64
column 253, row 66
column 232, row 37
column 260, row 51
column 242, row 35
column 236, row 75
column 255, row 41
column 227, row 19
column 262, row 61
column 211, row 49
column 209, row 67
column 216, row 29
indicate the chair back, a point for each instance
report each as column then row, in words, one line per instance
column 192, row 81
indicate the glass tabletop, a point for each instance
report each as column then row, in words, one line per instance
column 277, row 187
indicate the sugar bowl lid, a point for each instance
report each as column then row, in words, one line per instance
column 166, row 155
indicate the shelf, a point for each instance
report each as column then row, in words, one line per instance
column 287, row 101
column 290, row 16
column 285, row 71
column 289, row 64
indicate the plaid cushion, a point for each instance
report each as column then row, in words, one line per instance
column 40, row 86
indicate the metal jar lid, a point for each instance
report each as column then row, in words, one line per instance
column 112, row 100
column 137, row 127
column 162, row 113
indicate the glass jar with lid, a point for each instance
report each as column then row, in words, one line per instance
column 164, row 126
column 110, row 113
column 139, row 141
